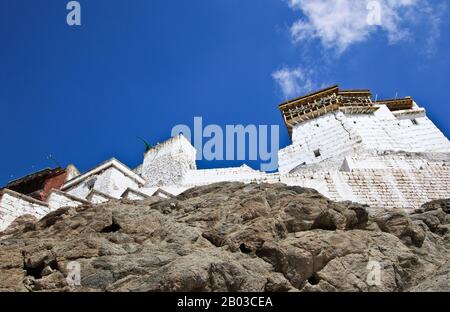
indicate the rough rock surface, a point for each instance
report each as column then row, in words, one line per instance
column 229, row 237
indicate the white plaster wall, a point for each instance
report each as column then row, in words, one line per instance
column 134, row 196
column 175, row 189
column 342, row 190
column 171, row 189
column 57, row 200
column 423, row 136
column 293, row 156
column 375, row 132
column 407, row 189
column 168, row 163
column 208, row 176
column 386, row 130
column 148, row 190
column 336, row 135
column 82, row 189
column 162, row 195
column 390, row 161
column 113, row 182
column 392, row 188
column 98, row 199
column 12, row 207
column 315, row 181
column 331, row 134
column 72, row 172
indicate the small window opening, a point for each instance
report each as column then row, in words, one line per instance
column 91, row 183
column 415, row 122
column 317, row 153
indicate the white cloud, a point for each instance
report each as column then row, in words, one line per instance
column 338, row 24
column 434, row 17
column 294, row 81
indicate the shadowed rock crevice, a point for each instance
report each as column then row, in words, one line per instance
column 244, row 249
column 314, row 279
column 113, row 227
column 34, row 271
column 229, row 237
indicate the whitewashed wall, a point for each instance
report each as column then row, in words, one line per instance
column 133, row 196
column 82, row 189
column 208, row 176
column 58, row 200
column 13, row 205
column 331, row 135
column 336, row 135
column 376, row 130
column 97, row 198
column 385, row 159
column 168, row 163
column 112, row 182
column 394, row 161
column 386, row 130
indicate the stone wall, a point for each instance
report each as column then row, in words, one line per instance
column 407, row 189
column 380, row 179
column 168, row 163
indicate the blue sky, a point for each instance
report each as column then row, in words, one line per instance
column 137, row 68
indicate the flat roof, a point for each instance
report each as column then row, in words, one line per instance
column 322, row 92
column 44, row 173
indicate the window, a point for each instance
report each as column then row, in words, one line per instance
column 317, row 153
column 91, row 183
column 415, row 122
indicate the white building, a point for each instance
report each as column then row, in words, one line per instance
column 346, row 146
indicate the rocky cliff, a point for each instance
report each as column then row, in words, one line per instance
column 230, row 237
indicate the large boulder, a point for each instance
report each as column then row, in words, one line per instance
column 228, row 237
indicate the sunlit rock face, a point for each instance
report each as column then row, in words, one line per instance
column 229, row 237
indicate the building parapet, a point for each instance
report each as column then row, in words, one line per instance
column 70, row 196
column 99, row 169
column 23, row 197
column 98, row 193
